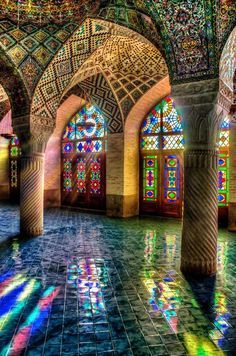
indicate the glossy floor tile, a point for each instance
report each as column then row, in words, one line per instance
column 98, row 286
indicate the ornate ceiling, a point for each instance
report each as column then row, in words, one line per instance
column 45, row 11
column 43, row 42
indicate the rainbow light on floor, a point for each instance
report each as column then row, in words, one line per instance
column 10, row 284
column 15, row 305
column 199, row 345
column 32, row 323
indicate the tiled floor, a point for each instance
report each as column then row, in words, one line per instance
column 98, row 286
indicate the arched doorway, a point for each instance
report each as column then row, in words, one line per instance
column 161, row 152
column 84, row 160
column 223, row 170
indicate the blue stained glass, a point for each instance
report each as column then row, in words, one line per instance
column 221, row 197
column 151, row 125
column 68, row 147
column 225, row 123
column 89, row 123
column 80, row 147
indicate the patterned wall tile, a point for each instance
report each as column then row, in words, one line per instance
column 41, row 44
column 18, row 54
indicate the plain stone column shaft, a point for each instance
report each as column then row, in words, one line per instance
column 31, row 194
column 199, row 235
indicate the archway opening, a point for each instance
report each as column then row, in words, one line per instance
column 84, row 160
column 161, row 161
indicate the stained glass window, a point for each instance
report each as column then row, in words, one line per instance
column 14, row 153
column 150, row 178
column 86, row 125
column 149, row 143
column 161, row 131
column 162, row 128
column 67, row 175
column 83, row 147
column 173, row 142
column 95, row 175
column 171, row 179
column 223, row 181
column 223, row 163
column 81, row 175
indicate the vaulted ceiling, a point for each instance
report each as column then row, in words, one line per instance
column 190, row 34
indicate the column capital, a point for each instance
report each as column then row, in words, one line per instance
column 211, row 91
column 41, row 128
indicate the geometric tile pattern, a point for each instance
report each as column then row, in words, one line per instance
column 31, row 46
column 3, row 94
column 100, row 93
column 92, row 285
column 61, row 69
column 46, row 11
column 130, row 67
column 13, row 85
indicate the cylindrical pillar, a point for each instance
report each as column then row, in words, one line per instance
column 232, row 172
column 199, row 235
column 31, row 194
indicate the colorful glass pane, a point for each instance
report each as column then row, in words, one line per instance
column 224, row 138
column 81, row 175
column 89, row 146
column 14, row 174
column 171, row 119
column 225, row 123
column 150, row 177
column 67, row 175
column 69, row 133
column 152, row 124
column 14, row 141
column 223, row 179
column 95, row 175
column 89, row 123
column 149, row 143
column 171, row 179
column 172, row 142
column 68, row 147
column 14, row 151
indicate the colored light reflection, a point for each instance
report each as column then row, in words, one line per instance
column 33, row 322
column 15, row 291
column 199, row 345
column 165, row 294
column 88, row 276
column 150, row 240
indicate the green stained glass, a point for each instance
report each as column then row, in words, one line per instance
column 150, row 178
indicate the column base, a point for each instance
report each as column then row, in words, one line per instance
column 232, row 217
column 31, row 232
column 199, row 268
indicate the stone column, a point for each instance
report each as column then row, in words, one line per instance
column 199, row 234
column 202, row 113
column 31, row 194
column 33, row 146
column 232, row 170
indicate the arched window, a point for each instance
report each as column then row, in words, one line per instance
column 14, row 169
column 83, row 159
column 223, row 168
column 161, row 147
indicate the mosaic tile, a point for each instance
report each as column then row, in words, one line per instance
column 92, row 285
